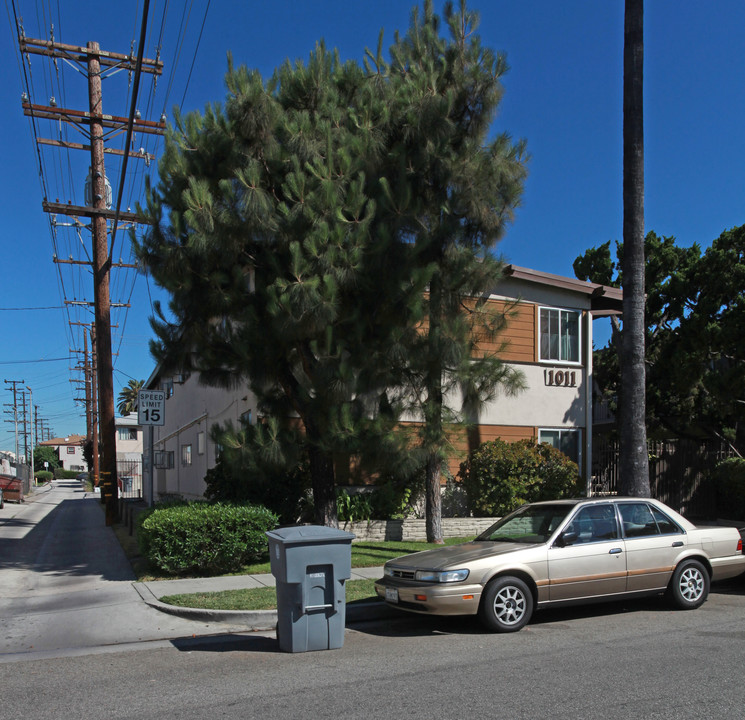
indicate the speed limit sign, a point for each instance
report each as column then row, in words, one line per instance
column 151, row 407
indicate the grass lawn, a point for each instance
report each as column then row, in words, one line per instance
column 264, row 598
column 364, row 554
column 369, row 554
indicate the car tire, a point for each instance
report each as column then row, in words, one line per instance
column 689, row 586
column 506, row 604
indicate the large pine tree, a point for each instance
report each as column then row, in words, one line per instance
column 457, row 190
column 266, row 251
column 318, row 236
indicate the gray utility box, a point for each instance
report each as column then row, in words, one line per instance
column 310, row 564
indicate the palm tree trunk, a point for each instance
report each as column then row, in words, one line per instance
column 634, row 461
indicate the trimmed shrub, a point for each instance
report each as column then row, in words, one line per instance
column 44, row 475
column 499, row 476
column 61, row 474
column 729, row 479
column 204, row 538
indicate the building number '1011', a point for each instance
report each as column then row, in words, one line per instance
column 561, row 378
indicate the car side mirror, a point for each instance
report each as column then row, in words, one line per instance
column 566, row 538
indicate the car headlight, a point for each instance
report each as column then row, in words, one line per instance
column 441, row 576
column 388, row 572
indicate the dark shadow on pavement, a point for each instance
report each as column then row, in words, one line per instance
column 414, row 625
column 227, row 643
column 72, row 539
column 732, row 586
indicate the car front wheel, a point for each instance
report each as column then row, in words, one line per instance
column 506, row 605
column 689, row 587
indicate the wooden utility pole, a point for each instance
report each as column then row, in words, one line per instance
column 94, row 411
column 88, row 398
column 101, row 270
column 14, row 383
column 31, row 456
column 94, row 62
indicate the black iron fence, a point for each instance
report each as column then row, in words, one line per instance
column 679, row 472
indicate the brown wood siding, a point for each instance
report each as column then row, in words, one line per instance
column 463, row 439
column 517, row 342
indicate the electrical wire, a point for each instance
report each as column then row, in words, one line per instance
column 194, row 58
column 56, row 168
column 138, row 70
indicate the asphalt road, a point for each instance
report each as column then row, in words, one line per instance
column 633, row 660
column 76, row 641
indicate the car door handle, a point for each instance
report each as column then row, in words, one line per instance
column 614, row 551
column 678, row 543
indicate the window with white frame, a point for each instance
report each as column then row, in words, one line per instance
column 559, row 332
column 565, row 440
column 186, row 454
column 126, row 434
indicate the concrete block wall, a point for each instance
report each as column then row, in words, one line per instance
column 412, row 530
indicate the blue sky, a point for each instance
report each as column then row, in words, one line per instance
column 563, row 94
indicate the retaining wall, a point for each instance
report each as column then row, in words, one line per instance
column 408, row 530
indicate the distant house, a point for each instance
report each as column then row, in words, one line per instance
column 548, row 337
column 69, row 451
column 129, row 455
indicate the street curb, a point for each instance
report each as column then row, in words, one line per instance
column 255, row 619
column 258, row 619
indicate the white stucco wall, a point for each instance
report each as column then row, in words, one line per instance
column 540, row 405
column 190, row 413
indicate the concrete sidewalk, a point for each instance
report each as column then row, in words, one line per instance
column 152, row 592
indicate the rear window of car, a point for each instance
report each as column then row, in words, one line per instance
column 643, row 520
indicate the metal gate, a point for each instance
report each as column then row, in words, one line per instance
column 678, row 472
column 129, row 475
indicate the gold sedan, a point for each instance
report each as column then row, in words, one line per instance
column 566, row 552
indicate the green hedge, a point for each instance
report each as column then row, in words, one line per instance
column 204, row 538
column 61, row 474
column 729, row 478
column 499, row 476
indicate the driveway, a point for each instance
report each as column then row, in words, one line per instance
column 65, row 583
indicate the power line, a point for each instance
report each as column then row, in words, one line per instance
column 47, row 307
column 194, row 58
column 138, row 71
column 37, row 360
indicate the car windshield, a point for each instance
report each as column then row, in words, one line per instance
column 528, row 524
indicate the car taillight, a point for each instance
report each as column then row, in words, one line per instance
column 739, row 545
